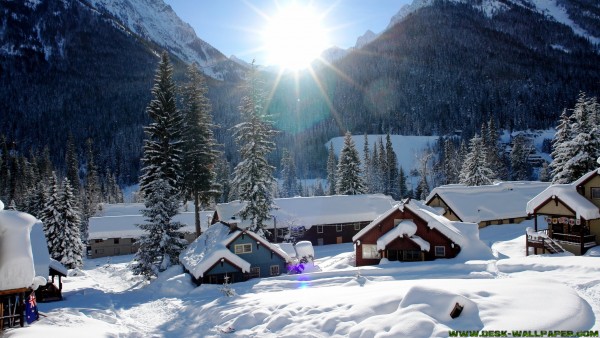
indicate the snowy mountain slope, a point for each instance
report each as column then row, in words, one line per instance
column 552, row 9
column 156, row 21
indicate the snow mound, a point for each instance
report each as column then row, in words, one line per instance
column 423, row 312
column 593, row 252
column 173, row 282
column 305, row 249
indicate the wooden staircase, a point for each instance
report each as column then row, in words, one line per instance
column 552, row 246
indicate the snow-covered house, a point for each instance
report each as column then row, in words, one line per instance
column 499, row 203
column 320, row 219
column 413, row 231
column 115, row 232
column 226, row 251
column 572, row 212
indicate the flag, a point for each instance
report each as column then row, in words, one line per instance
column 31, row 310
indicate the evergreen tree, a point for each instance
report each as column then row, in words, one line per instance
column 51, row 216
column 367, row 166
column 223, row 180
column 392, row 168
column 520, row 168
column 450, row 168
column 71, row 248
column 382, row 168
column 544, row 174
column 289, row 184
column 253, row 176
column 4, row 170
column 93, row 191
column 423, row 190
column 319, row 191
column 72, row 165
column 560, row 148
column 200, row 155
column 331, row 171
column 493, row 157
column 474, row 170
column 349, row 178
column 161, row 178
column 403, row 189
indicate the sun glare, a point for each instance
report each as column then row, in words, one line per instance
column 294, row 37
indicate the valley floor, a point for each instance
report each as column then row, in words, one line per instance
column 510, row 293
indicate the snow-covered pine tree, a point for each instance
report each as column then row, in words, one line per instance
column 376, row 185
column 349, row 177
column 160, row 181
column 450, row 169
column 383, row 168
column 161, row 243
column 331, row 170
column 474, row 170
column 560, row 149
column 253, row 176
column 392, row 168
column 520, row 168
column 71, row 252
column 289, row 181
column 402, row 188
column 200, row 154
column 367, row 166
column 544, row 174
column 51, row 216
column 319, row 191
column 72, row 165
column 92, row 190
column 493, row 153
column 423, row 190
column 584, row 148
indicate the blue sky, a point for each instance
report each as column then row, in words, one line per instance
column 235, row 26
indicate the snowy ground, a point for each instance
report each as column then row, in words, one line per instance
column 513, row 292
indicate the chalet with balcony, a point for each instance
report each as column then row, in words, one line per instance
column 572, row 215
column 412, row 231
column 499, row 203
column 321, row 219
column 225, row 252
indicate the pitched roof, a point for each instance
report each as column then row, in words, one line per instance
column 318, row 210
column 119, row 221
column 425, row 212
column 211, row 247
column 566, row 193
column 501, row 200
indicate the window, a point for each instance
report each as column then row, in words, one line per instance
column 243, row 248
column 413, row 255
column 440, row 251
column 116, row 241
column 511, row 220
column 595, row 193
column 97, row 241
column 274, row 270
column 319, row 229
column 254, row 272
column 338, row 228
column 356, row 226
column 369, row 251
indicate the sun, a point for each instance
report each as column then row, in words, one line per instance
column 294, row 37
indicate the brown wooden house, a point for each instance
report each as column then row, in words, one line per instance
column 410, row 231
column 321, row 220
column 572, row 215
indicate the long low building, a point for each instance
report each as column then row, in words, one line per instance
column 499, row 203
column 319, row 219
column 115, row 232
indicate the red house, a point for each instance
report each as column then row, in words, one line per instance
column 410, row 231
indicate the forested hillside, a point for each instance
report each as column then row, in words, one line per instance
column 68, row 67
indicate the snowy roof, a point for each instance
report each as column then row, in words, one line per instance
column 406, row 227
column 501, row 200
column 211, row 247
column 568, row 194
column 54, row 264
column 288, row 248
column 39, row 249
column 319, row 210
column 428, row 214
column 16, row 260
column 585, row 177
column 119, row 221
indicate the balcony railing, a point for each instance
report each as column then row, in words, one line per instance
column 570, row 238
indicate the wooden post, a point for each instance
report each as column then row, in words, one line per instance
column 21, row 309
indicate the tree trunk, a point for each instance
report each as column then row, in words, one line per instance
column 197, row 214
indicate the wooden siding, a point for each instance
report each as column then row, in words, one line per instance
column 586, row 189
column 433, row 236
column 107, row 247
column 330, row 234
